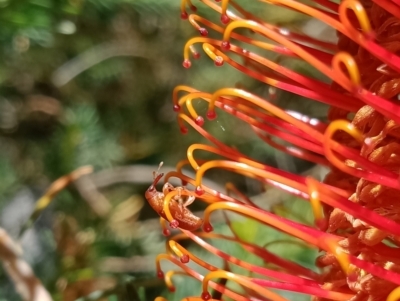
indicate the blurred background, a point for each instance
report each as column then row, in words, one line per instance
column 89, row 82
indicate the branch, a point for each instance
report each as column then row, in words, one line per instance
column 26, row 284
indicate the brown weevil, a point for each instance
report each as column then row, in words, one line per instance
column 183, row 217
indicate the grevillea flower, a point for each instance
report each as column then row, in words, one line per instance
column 356, row 208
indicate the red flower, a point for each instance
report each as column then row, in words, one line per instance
column 356, row 208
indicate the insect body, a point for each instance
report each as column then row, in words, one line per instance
column 178, row 205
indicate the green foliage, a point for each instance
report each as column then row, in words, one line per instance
column 81, row 136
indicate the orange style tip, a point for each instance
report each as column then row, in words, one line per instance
column 207, row 227
column 203, row 31
column 199, row 121
column 219, row 61
column 193, row 8
column 166, row 232
column 186, row 63
column 172, row 289
column 160, row 274
column 184, row 130
column 196, row 55
column 205, row 296
column 174, row 224
column 199, row 190
column 185, row 258
column 211, row 115
column 225, row 19
column 225, row 45
column 176, row 108
column 184, row 15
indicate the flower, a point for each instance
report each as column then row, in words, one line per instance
column 355, row 208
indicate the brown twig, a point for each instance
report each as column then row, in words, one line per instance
column 26, row 284
column 54, row 189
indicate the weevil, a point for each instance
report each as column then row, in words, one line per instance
column 178, row 204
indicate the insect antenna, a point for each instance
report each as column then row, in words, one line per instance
column 157, row 176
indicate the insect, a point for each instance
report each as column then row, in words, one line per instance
column 178, row 205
